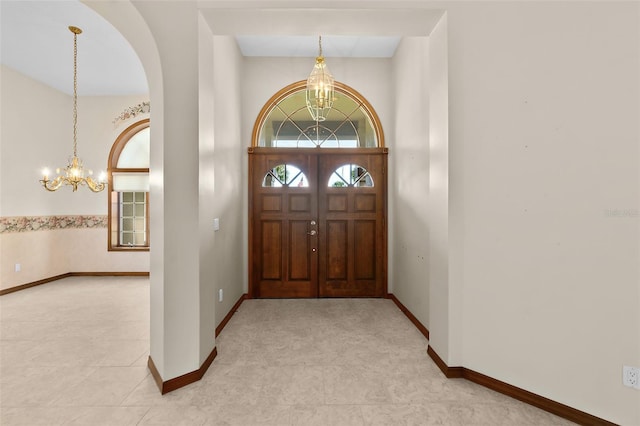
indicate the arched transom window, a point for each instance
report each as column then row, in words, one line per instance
column 129, row 189
column 285, row 122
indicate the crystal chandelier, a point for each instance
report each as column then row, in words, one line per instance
column 74, row 173
column 320, row 88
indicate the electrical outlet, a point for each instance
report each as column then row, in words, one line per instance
column 220, row 295
column 18, row 267
column 631, row 376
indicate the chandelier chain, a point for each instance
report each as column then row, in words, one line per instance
column 320, row 45
column 75, row 94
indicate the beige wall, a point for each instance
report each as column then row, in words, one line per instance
column 34, row 252
column 409, row 229
column 44, row 254
column 222, row 152
column 542, row 288
column 228, row 181
column 36, row 131
column 533, row 269
column 544, row 106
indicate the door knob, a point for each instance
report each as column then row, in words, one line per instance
column 313, row 222
column 313, row 232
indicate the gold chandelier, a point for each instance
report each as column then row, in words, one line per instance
column 74, row 173
column 320, row 88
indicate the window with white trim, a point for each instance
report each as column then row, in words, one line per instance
column 128, row 175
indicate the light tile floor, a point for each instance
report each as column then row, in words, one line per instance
column 74, row 352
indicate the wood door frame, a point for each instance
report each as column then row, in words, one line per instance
column 320, row 151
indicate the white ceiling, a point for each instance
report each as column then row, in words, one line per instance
column 307, row 46
column 36, row 41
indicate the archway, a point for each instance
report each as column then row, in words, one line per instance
column 317, row 217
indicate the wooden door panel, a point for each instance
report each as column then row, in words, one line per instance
column 365, row 248
column 346, row 257
column 337, row 203
column 300, row 203
column 271, row 203
column 286, row 290
column 271, row 253
column 336, row 250
column 365, row 203
column 299, row 248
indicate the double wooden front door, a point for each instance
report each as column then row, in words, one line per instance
column 317, row 222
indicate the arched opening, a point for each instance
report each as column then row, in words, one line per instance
column 317, row 217
column 285, row 122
